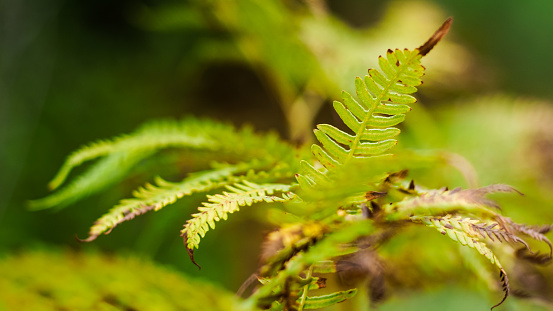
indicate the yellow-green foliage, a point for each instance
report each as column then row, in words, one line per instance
column 48, row 280
column 351, row 197
column 383, row 103
column 220, row 205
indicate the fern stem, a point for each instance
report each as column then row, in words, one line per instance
column 305, row 288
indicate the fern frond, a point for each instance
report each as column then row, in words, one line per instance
column 221, row 141
column 383, row 101
column 490, row 231
column 151, row 136
column 384, row 98
column 187, row 133
column 152, row 197
column 535, row 232
column 220, row 205
column 448, row 201
column 462, row 234
column 464, row 231
column 103, row 173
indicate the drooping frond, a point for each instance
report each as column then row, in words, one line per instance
column 220, row 141
column 152, row 197
column 220, row 205
column 463, row 231
column 151, row 136
column 103, row 173
column 447, row 201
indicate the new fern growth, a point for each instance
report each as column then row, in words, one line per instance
column 350, row 199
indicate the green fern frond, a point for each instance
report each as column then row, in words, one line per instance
column 463, row 231
column 384, row 98
column 221, row 141
column 460, row 230
column 220, row 205
column 151, row 136
column 49, row 280
column 101, row 174
column 152, row 197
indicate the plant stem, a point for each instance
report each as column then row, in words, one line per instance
column 305, row 288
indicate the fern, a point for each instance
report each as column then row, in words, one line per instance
column 152, row 197
column 121, row 154
column 220, row 205
column 535, row 232
column 103, row 173
column 463, row 231
column 152, row 136
column 384, row 100
column 51, row 280
column 348, row 201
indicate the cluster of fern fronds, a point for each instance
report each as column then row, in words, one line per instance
column 349, row 200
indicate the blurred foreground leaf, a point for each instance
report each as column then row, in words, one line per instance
column 48, row 280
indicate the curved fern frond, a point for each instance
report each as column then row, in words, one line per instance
column 220, row 205
column 222, row 142
column 384, row 98
column 101, row 174
column 463, row 231
column 151, row 136
column 152, row 197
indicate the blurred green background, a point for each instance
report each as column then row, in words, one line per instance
column 76, row 71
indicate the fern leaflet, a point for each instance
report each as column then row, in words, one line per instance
column 220, row 205
column 103, row 173
column 384, row 100
column 151, row 136
column 152, row 197
column 462, row 231
column 118, row 156
column 383, row 103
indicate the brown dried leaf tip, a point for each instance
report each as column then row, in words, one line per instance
column 505, row 285
column 189, row 250
column 436, row 37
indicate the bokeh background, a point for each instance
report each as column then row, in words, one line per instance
column 76, row 71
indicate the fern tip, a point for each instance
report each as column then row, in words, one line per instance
column 189, row 250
